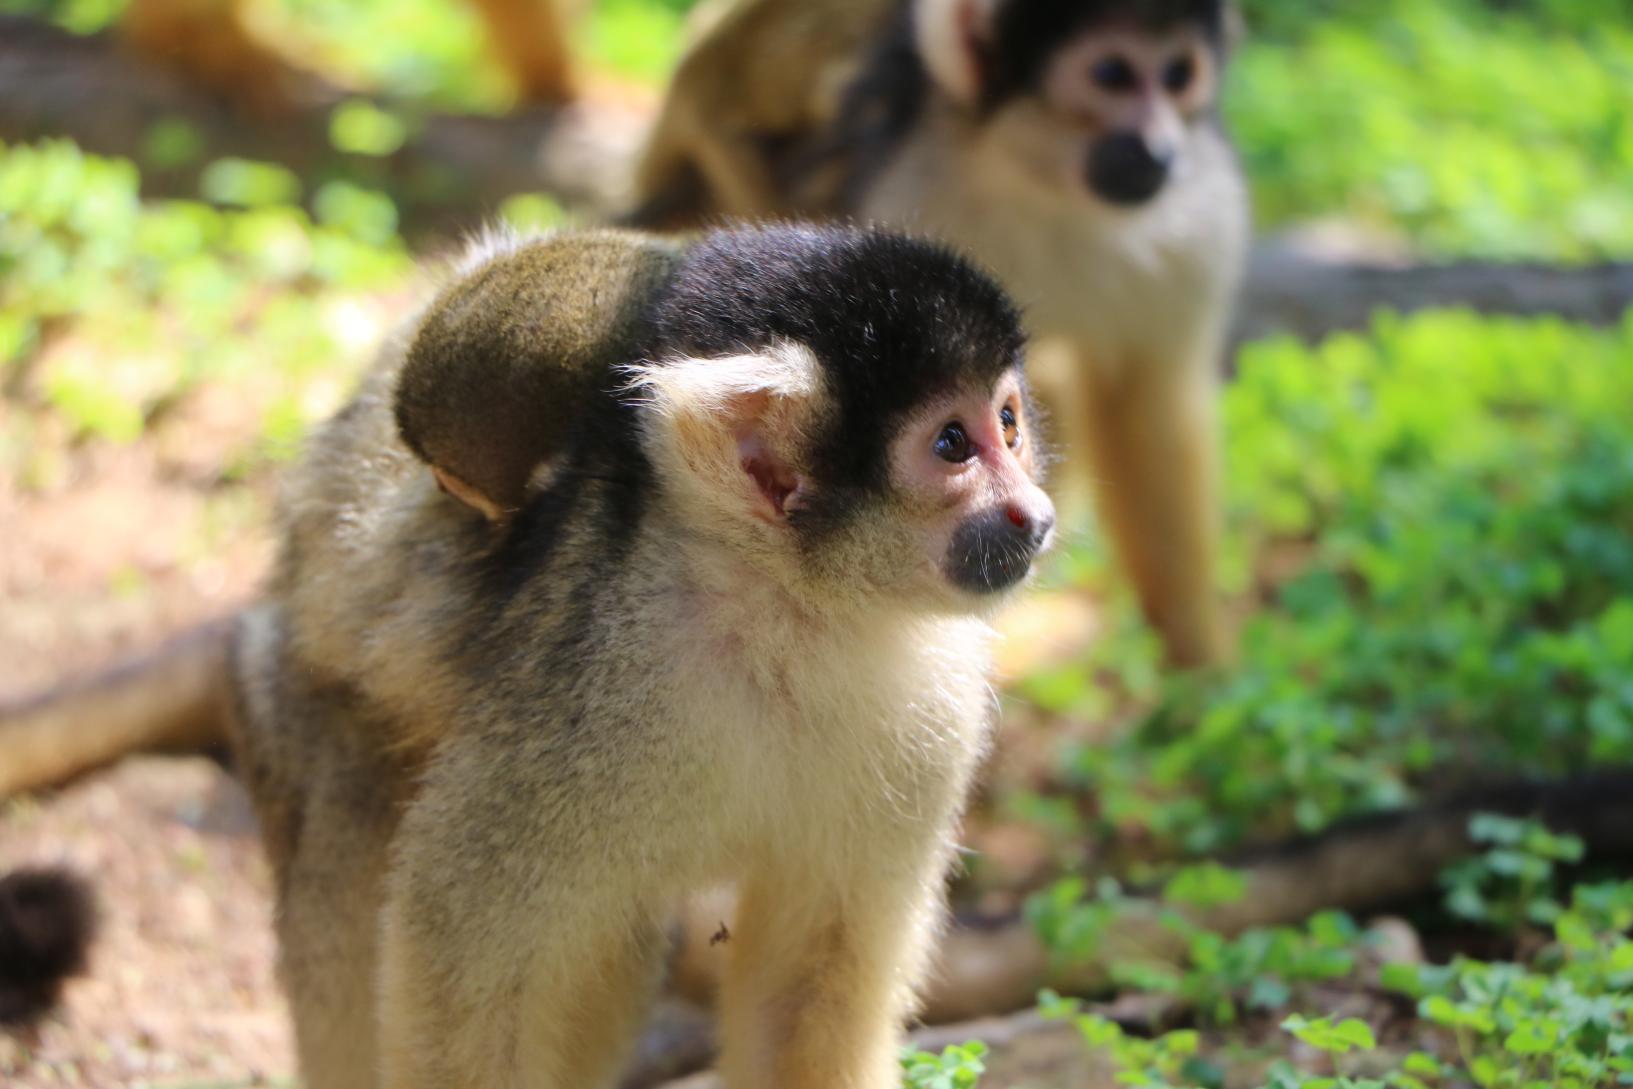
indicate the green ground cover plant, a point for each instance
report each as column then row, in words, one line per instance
column 1559, row 1018
column 958, row 1066
column 1448, row 505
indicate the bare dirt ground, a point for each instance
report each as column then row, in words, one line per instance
column 107, row 549
column 180, row 990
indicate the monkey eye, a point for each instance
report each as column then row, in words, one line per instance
column 953, row 444
column 1115, row 74
column 1178, row 73
column 1012, row 427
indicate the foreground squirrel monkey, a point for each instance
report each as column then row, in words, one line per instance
column 636, row 567
column 1071, row 146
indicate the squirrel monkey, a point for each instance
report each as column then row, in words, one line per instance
column 211, row 42
column 1071, row 146
column 637, row 566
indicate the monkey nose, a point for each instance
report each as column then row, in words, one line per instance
column 994, row 550
column 1033, row 526
column 1124, row 169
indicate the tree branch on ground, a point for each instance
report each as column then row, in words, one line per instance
column 450, row 172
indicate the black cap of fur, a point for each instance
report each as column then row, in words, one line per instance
column 1027, row 32
column 892, row 321
column 47, row 921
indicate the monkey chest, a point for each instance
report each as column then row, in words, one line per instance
column 873, row 745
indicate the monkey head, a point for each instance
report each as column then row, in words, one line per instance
column 1097, row 94
column 847, row 409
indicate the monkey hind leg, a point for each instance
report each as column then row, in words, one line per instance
column 175, row 699
column 209, row 43
column 561, row 1009
column 327, row 794
column 530, row 41
column 329, row 851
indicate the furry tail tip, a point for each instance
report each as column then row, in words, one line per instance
column 47, row 921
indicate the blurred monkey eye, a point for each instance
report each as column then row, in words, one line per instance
column 1012, row 427
column 1115, row 74
column 953, row 444
column 1178, row 73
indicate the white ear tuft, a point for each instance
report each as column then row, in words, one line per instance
column 488, row 243
column 950, row 35
column 714, row 387
column 723, row 427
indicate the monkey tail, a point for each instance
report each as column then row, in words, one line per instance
column 174, row 699
column 47, row 922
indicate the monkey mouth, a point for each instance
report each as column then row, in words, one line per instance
column 990, row 554
column 1122, row 170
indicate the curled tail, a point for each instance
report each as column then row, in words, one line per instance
column 176, row 698
column 47, row 920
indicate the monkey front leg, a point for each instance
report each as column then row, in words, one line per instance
column 820, row 976
column 1152, row 436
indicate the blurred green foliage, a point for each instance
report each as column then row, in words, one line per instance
column 117, row 307
column 1461, row 127
column 1157, row 1063
column 1216, row 978
column 1509, row 885
column 1563, row 1018
column 1455, row 128
column 435, row 50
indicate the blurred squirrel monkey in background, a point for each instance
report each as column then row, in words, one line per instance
column 213, row 43
column 1071, row 146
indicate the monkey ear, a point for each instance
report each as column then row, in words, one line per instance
column 953, row 37
column 779, row 488
column 728, row 428
column 497, row 371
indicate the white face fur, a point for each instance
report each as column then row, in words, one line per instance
column 1112, row 116
column 966, row 460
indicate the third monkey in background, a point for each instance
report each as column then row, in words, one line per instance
column 1072, row 146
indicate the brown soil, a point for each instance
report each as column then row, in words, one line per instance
column 180, row 990
column 104, row 550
